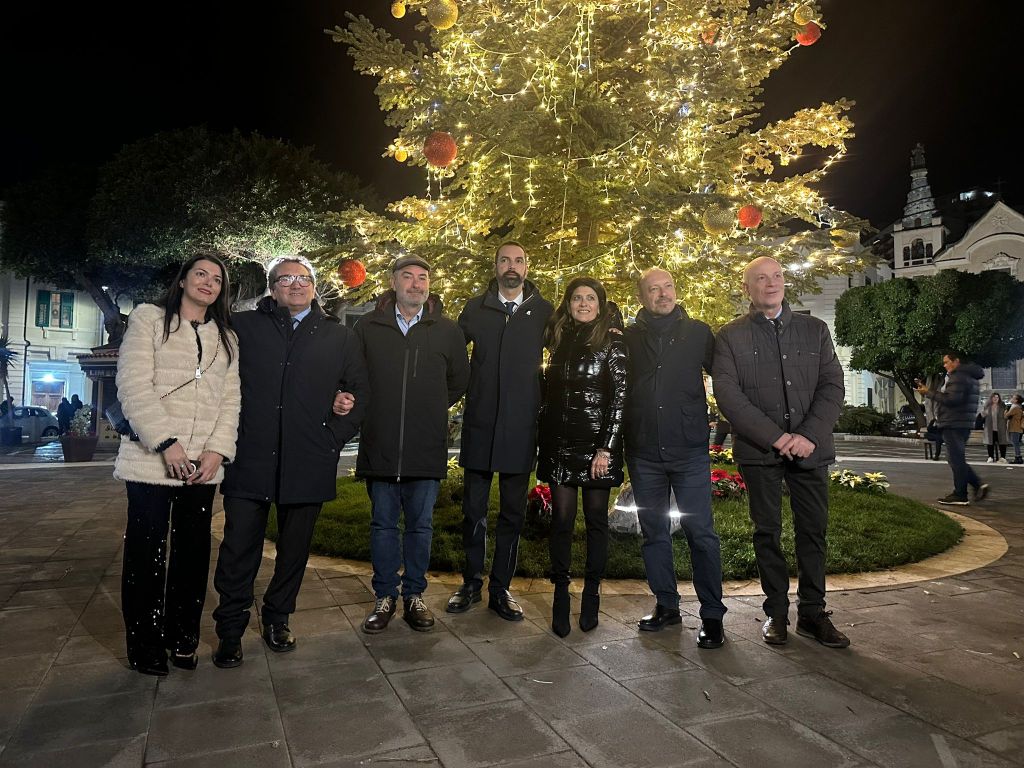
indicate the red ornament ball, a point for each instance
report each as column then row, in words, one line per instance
column 440, row 149
column 749, row 216
column 809, row 35
column 352, row 273
column 709, row 35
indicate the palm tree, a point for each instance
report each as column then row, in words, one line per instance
column 7, row 356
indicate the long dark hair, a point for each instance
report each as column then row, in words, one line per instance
column 561, row 319
column 218, row 311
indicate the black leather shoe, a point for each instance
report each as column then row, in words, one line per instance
column 711, row 634
column 822, row 630
column 380, row 617
column 590, row 606
column 560, row 609
column 149, row 663
column 659, row 619
column 416, row 614
column 185, row 660
column 463, row 598
column 278, row 637
column 505, row 606
column 228, row 653
column 774, row 630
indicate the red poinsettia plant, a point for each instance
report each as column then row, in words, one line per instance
column 539, row 499
column 727, row 485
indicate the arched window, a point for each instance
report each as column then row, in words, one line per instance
column 917, row 251
column 928, row 251
column 906, row 255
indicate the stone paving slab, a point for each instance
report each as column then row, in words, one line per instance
column 931, row 679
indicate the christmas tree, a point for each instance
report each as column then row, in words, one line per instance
column 607, row 137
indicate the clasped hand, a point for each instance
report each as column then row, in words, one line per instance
column 794, row 446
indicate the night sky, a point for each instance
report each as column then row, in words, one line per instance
column 81, row 80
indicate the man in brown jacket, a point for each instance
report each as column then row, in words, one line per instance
column 780, row 385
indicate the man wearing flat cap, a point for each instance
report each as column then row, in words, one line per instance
column 417, row 364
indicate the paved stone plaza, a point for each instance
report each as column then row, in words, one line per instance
column 934, row 677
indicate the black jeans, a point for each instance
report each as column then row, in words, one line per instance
column 808, row 496
column 162, row 603
column 511, row 513
column 956, row 455
column 239, row 561
column 563, row 522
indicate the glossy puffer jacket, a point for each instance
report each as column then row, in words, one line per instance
column 584, row 395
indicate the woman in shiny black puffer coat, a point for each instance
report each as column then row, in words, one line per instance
column 581, row 436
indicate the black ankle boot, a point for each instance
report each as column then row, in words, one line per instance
column 560, row 611
column 590, row 605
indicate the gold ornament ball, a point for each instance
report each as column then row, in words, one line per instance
column 442, row 14
column 398, row 9
column 718, row 220
column 803, row 14
column 401, row 155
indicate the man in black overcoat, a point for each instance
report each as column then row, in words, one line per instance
column 499, row 430
column 293, row 359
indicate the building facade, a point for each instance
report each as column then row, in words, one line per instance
column 971, row 231
column 48, row 327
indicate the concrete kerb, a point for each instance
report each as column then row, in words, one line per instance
column 981, row 545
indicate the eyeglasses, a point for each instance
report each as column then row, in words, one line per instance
column 286, row 280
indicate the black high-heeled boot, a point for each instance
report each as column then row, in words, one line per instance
column 591, row 605
column 560, row 611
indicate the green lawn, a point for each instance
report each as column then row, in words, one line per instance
column 867, row 532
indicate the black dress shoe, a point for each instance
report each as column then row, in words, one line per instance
column 463, row 598
column 822, row 630
column 185, row 660
column 711, row 634
column 278, row 637
column 505, row 606
column 659, row 619
column 774, row 630
column 149, row 663
column 228, row 653
column 416, row 614
column 380, row 616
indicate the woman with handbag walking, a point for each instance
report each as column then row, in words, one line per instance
column 178, row 386
column 581, row 436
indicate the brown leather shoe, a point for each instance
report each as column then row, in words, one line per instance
column 416, row 614
column 774, row 630
column 379, row 619
column 822, row 630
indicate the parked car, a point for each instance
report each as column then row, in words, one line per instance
column 36, row 422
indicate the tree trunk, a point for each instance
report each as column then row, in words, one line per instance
column 113, row 321
column 910, row 393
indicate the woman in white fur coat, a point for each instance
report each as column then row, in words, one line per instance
column 177, row 381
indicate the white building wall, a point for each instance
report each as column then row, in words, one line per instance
column 47, row 356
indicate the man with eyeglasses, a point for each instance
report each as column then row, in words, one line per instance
column 293, row 359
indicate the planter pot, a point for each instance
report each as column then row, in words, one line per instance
column 78, row 448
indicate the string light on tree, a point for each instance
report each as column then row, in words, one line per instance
column 607, row 137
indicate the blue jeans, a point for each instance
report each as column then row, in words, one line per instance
column 387, row 502
column 956, row 455
column 691, row 480
column 1015, row 438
